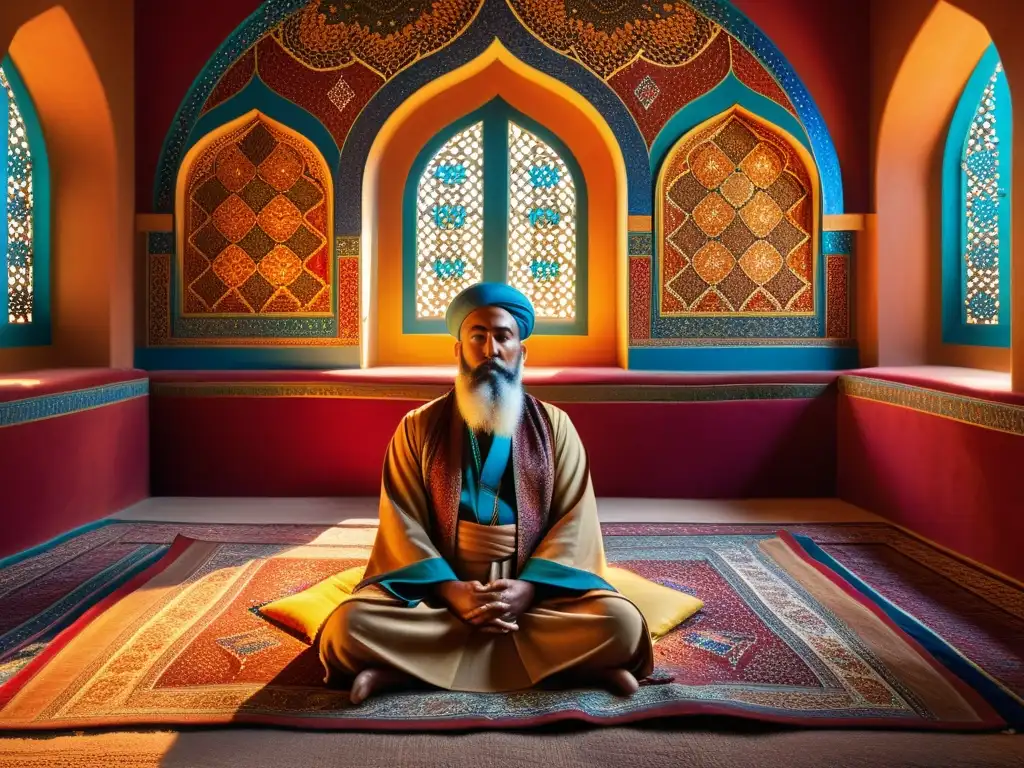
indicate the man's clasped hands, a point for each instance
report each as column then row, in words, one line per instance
column 494, row 607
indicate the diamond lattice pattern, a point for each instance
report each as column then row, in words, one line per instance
column 736, row 224
column 541, row 225
column 20, row 299
column 981, row 199
column 257, row 226
column 450, row 222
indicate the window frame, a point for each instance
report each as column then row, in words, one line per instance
column 37, row 332
column 495, row 116
column 955, row 329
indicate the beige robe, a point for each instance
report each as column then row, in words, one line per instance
column 556, row 522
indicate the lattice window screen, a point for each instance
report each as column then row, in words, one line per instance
column 981, row 209
column 19, row 193
column 450, row 222
column 541, row 225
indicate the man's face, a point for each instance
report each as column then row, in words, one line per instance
column 489, row 346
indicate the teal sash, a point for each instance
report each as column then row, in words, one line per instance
column 490, row 477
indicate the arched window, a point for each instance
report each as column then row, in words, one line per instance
column 496, row 197
column 24, row 213
column 976, row 211
column 736, row 223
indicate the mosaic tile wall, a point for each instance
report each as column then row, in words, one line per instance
column 255, row 227
column 735, row 225
column 351, row 65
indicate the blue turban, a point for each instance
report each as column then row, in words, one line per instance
column 490, row 295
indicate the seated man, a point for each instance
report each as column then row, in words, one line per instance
column 486, row 573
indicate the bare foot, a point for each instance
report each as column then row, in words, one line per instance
column 619, row 681
column 371, row 681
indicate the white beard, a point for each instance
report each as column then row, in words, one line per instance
column 488, row 410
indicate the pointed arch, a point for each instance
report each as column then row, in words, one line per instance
column 496, row 196
column 254, row 228
column 976, row 210
column 738, row 206
column 545, row 103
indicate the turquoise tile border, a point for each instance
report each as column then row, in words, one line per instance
column 65, row 403
column 837, row 243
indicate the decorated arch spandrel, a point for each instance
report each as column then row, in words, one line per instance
column 737, row 222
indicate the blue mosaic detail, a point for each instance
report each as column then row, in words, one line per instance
column 449, row 216
column 743, row 29
column 986, row 210
column 450, row 174
column 544, row 269
column 544, row 217
column 64, row 403
column 982, row 305
column 446, row 269
column 263, row 19
column 641, row 243
column 983, row 163
column 984, row 255
column 254, row 327
column 807, row 327
column 160, row 243
column 837, row 243
column 543, row 176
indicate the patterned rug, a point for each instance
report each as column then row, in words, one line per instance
column 782, row 637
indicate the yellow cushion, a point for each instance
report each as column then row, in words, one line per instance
column 663, row 608
column 306, row 611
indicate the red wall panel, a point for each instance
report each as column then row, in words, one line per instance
column 60, row 473
column 242, row 446
column 954, row 483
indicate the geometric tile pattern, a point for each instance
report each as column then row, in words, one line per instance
column 256, row 227
column 736, row 221
column 604, row 39
column 385, row 36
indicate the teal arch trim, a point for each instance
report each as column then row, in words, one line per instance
column 736, row 23
column 727, row 94
column 955, row 329
column 258, row 95
column 38, row 332
column 258, row 23
column 495, row 115
column 723, row 12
